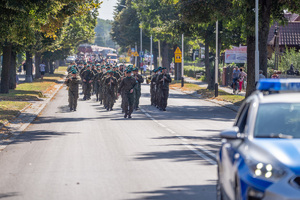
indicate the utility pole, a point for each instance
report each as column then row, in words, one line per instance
column 256, row 43
column 159, row 56
column 151, row 53
column 182, row 61
column 141, row 48
column 135, row 56
column 217, row 60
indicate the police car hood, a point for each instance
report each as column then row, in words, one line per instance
column 285, row 151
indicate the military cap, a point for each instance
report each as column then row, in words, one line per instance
column 85, row 63
column 164, row 68
column 128, row 71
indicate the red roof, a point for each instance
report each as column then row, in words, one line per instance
column 289, row 35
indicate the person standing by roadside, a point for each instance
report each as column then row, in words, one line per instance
column 42, row 69
column 243, row 75
column 137, row 89
column 261, row 74
column 235, row 78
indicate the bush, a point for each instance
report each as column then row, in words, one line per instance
column 191, row 71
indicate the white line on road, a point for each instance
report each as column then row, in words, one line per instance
column 184, row 141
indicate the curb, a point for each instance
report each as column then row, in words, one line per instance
column 229, row 106
column 14, row 134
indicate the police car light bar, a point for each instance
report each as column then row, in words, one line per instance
column 278, row 85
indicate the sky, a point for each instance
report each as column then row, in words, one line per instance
column 107, row 9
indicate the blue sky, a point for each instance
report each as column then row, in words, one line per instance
column 107, row 9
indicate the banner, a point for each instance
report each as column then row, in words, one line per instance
column 236, row 55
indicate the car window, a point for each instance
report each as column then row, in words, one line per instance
column 242, row 119
column 280, row 120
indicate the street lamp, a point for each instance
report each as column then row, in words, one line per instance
column 256, row 43
column 276, row 43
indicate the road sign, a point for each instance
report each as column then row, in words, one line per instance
column 177, row 58
column 178, row 51
column 129, row 52
column 136, row 53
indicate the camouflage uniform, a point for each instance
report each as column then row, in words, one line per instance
column 111, row 84
column 137, row 90
column 126, row 85
column 153, row 89
column 73, row 85
column 163, row 85
column 88, row 76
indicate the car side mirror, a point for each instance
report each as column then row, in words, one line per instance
column 232, row 133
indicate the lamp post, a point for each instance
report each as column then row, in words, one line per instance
column 276, row 43
column 217, row 60
column 256, row 43
column 141, row 47
column 150, row 53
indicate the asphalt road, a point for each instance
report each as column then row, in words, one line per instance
column 95, row 154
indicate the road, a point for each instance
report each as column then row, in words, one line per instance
column 95, row 154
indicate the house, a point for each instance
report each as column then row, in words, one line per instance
column 288, row 35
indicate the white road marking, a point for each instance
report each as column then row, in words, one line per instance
column 192, row 147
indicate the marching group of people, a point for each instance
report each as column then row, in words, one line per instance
column 109, row 81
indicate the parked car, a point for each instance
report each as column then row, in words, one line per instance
column 70, row 59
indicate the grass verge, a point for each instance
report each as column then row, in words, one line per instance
column 208, row 94
column 11, row 104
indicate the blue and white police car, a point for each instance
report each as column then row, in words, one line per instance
column 260, row 155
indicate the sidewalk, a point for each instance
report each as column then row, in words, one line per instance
column 203, row 84
column 16, row 126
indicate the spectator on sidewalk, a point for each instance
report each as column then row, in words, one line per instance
column 42, row 69
column 261, row 74
column 242, row 76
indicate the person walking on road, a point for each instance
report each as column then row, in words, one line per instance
column 73, row 85
column 153, row 88
column 111, row 84
column 87, row 79
column 164, row 79
column 126, row 86
column 137, row 89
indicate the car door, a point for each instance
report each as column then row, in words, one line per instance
column 229, row 152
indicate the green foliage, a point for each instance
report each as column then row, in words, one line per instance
column 102, row 30
column 291, row 56
column 191, row 71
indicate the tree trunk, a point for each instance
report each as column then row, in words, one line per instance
column 29, row 67
column 6, row 68
column 38, row 61
column 265, row 13
column 165, row 54
column 208, row 76
column 51, row 67
column 13, row 71
column 250, row 65
column 155, row 60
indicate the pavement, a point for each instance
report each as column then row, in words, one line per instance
column 203, row 84
column 95, row 154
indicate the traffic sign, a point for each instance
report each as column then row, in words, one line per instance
column 177, row 58
column 129, row 52
column 136, row 53
column 178, row 51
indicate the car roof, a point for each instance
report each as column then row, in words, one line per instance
column 280, row 98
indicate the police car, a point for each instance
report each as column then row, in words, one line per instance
column 260, row 155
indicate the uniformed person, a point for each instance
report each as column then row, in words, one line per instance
column 126, row 86
column 73, row 85
column 153, row 88
column 87, row 80
column 164, row 79
column 111, row 84
column 137, row 89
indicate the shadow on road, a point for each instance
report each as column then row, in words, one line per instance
column 9, row 194
column 186, row 192
column 186, row 112
column 38, row 135
column 173, row 155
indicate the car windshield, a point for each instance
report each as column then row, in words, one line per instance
column 112, row 57
column 278, row 120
